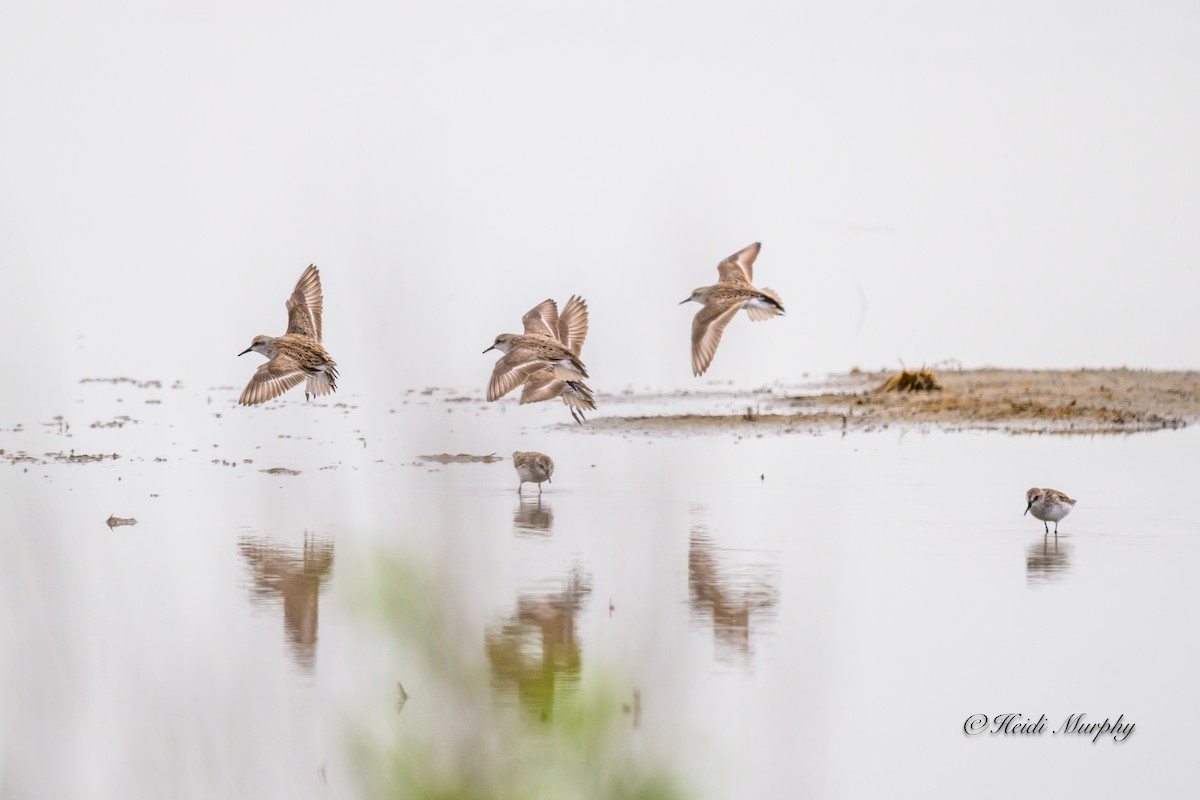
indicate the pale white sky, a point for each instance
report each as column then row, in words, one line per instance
column 1011, row 183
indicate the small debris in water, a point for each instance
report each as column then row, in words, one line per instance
column 140, row 384
column 280, row 471
column 115, row 522
column 635, row 708
column 461, row 458
column 402, row 697
column 116, row 422
column 78, row 458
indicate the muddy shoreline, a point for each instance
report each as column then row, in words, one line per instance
column 1016, row 401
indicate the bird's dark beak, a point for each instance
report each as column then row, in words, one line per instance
column 685, row 301
column 493, row 347
column 1028, row 507
column 247, row 350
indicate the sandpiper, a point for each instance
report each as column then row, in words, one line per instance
column 297, row 355
column 532, row 468
column 732, row 292
column 1048, row 504
column 545, row 359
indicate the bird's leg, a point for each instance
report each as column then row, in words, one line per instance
column 519, row 485
column 539, row 490
column 1047, row 524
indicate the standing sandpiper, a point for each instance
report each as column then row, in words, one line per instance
column 1048, row 504
column 532, row 468
column 732, row 292
column 297, row 355
column 545, row 360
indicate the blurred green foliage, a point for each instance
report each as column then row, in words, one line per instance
column 457, row 737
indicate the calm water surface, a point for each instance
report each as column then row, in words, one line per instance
column 777, row 616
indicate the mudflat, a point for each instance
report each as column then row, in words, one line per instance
column 1085, row 401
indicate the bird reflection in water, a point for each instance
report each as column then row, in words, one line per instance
column 296, row 576
column 1046, row 561
column 533, row 518
column 534, row 653
column 735, row 596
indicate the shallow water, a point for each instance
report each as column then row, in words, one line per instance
column 778, row 616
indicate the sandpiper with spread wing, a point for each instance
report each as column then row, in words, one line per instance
column 545, row 359
column 732, row 292
column 298, row 355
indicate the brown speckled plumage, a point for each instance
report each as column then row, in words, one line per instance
column 296, row 356
column 545, row 359
column 1048, row 505
column 732, row 292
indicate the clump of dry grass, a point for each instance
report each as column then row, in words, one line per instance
column 912, row 380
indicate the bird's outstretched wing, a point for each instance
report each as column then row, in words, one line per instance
column 271, row 380
column 707, row 327
column 739, row 267
column 542, row 320
column 513, row 369
column 542, row 385
column 305, row 305
column 573, row 324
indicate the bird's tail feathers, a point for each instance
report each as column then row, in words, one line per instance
column 769, row 305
